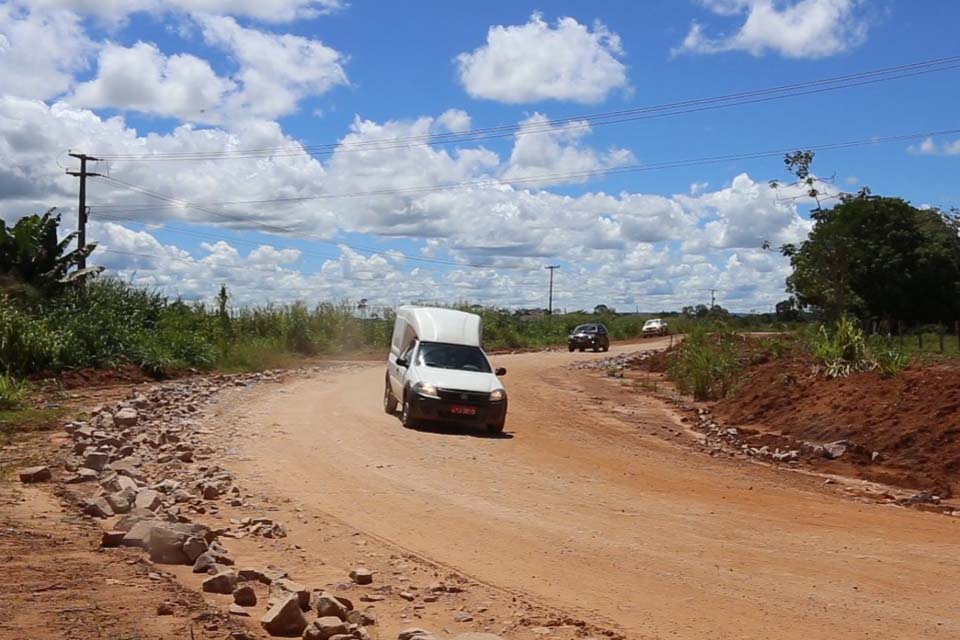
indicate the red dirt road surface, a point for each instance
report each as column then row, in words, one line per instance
column 584, row 510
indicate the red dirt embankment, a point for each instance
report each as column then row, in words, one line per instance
column 911, row 420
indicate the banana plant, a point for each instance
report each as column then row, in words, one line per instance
column 34, row 261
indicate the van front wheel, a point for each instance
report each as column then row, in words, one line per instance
column 389, row 402
column 406, row 419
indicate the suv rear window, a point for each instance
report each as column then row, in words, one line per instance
column 586, row 328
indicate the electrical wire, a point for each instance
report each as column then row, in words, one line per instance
column 583, row 121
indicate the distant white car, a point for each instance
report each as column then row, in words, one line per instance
column 437, row 370
column 655, row 327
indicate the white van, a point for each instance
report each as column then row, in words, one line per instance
column 437, row 370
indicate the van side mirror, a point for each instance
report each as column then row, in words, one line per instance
column 501, row 371
column 403, row 362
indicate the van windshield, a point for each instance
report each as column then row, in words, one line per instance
column 452, row 356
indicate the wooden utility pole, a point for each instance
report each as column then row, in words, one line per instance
column 82, row 211
column 552, row 268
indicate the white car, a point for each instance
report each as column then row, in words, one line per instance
column 437, row 371
column 654, row 327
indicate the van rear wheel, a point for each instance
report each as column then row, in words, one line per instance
column 389, row 402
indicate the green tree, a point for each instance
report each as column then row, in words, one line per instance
column 34, row 262
column 880, row 257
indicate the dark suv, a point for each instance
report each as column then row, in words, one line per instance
column 589, row 336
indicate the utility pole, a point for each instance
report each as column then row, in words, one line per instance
column 552, row 268
column 82, row 211
column 713, row 297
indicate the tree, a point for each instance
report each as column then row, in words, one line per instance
column 602, row 309
column 33, row 261
column 880, row 257
column 788, row 310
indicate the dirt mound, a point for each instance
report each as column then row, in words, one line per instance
column 912, row 420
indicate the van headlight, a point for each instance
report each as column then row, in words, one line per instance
column 426, row 389
column 497, row 395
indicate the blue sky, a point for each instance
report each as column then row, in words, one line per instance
column 147, row 77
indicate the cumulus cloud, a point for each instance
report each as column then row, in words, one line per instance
column 535, row 61
column 795, row 29
column 638, row 246
column 543, row 149
column 263, row 10
column 41, row 51
column 142, row 78
column 276, row 70
column 929, row 147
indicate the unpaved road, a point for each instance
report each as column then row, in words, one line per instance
column 580, row 511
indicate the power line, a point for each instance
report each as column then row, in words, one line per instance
column 541, row 178
column 597, row 119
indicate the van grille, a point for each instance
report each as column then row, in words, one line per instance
column 469, row 397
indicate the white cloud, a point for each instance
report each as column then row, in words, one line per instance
column 40, row 51
column 641, row 247
column 929, row 147
column 534, row 62
column 276, row 70
column 263, row 10
column 795, row 28
column 454, row 121
column 142, row 78
column 543, row 149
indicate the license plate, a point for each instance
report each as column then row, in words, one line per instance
column 463, row 411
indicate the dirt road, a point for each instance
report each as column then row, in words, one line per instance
column 581, row 511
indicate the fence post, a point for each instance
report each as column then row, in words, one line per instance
column 920, row 339
column 940, row 333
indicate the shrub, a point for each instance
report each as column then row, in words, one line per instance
column 12, row 392
column 705, row 365
column 840, row 349
column 889, row 357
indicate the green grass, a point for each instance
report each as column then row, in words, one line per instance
column 29, row 420
column 705, row 365
column 12, row 392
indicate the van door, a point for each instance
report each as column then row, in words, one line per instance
column 398, row 373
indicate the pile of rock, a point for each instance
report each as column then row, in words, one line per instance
column 263, row 527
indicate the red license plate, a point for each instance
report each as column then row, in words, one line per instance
column 463, row 411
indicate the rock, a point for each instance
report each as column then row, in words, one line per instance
column 414, row 633
column 406, row 595
column 140, row 401
column 237, row 610
column 463, row 616
column 82, row 475
column 98, row 508
column 835, row 449
column 96, row 460
column 256, row 575
column 285, row 618
column 327, row 605
column 109, row 539
column 127, row 417
column 363, row 618
column 208, row 559
column 326, row 628
column 34, row 474
column 245, row 596
column 166, row 546
column 149, row 499
column 223, row 582
column 165, row 608
column 283, row 586
column 121, row 501
column 361, row 575
column 127, row 522
column 474, row 635
column 210, row 491
column 194, row 547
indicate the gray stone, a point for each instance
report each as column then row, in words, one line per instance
column 835, row 449
column 193, row 547
column 283, row 586
column 414, row 632
column 285, row 618
column 245, row 596
column 209, row 559
column 326, row 628
column 149, row 499
column 223, row 582
column 166, row 546
column 98, row 508
column 121, row 501
column 96, row 460
column 127, row 417
column 237, row 610
column 327, row 605
column 363, row 618
column 476, row 635
column 34, row 474
column 256, row 575
column 109, row 539
column 361, row 575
